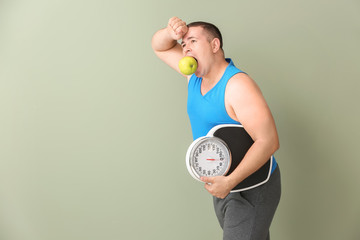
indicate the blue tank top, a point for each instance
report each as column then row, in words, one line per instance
column 207, row 111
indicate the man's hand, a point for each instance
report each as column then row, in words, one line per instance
column 218, row 186
column 177, row 28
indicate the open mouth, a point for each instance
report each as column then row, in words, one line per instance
column 196, row 61
column 193, row 57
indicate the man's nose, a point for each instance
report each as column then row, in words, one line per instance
column 187, row 50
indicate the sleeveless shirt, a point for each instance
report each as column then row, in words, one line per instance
column 208, row 110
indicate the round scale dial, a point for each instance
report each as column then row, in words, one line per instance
column 208, row 157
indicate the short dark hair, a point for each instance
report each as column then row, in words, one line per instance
column 209, row 28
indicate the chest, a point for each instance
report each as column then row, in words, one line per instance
column 206, row 87
column 210, row 101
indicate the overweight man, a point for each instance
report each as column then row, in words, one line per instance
column 221, row 93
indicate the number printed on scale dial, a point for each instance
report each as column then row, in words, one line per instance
column 211, row 158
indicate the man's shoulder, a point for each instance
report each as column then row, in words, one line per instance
column 240, row 79
column 241, row 85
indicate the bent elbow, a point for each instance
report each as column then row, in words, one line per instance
column 276, row 145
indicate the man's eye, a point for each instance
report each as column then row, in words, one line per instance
column 193, row 41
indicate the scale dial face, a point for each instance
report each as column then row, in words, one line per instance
column 209, row 157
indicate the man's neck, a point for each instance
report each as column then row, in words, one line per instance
column 216, row 72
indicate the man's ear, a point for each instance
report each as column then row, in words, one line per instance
column 215, row 44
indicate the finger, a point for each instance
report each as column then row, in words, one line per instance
column 179, row 28
column 208, row 187
column 173, row 21
column 183, row 30
column 207, row 179
column 178, row 24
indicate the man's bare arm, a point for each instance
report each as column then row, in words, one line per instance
column 165, row 45
column 248, row 107
column 254, row 114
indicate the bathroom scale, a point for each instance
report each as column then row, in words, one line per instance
column 220, row 152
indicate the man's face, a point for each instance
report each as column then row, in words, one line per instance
column 195, row 43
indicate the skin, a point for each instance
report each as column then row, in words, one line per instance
column 244, row 101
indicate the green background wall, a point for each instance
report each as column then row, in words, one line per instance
column 93, row 127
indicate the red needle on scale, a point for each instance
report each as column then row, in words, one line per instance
column 210, row 159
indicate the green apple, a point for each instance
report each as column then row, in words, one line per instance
column 188, row 65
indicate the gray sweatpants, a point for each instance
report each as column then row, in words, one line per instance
column 247, row 215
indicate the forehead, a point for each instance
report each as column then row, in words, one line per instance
column 194, row 32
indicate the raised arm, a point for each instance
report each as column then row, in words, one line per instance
column 165, row 45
